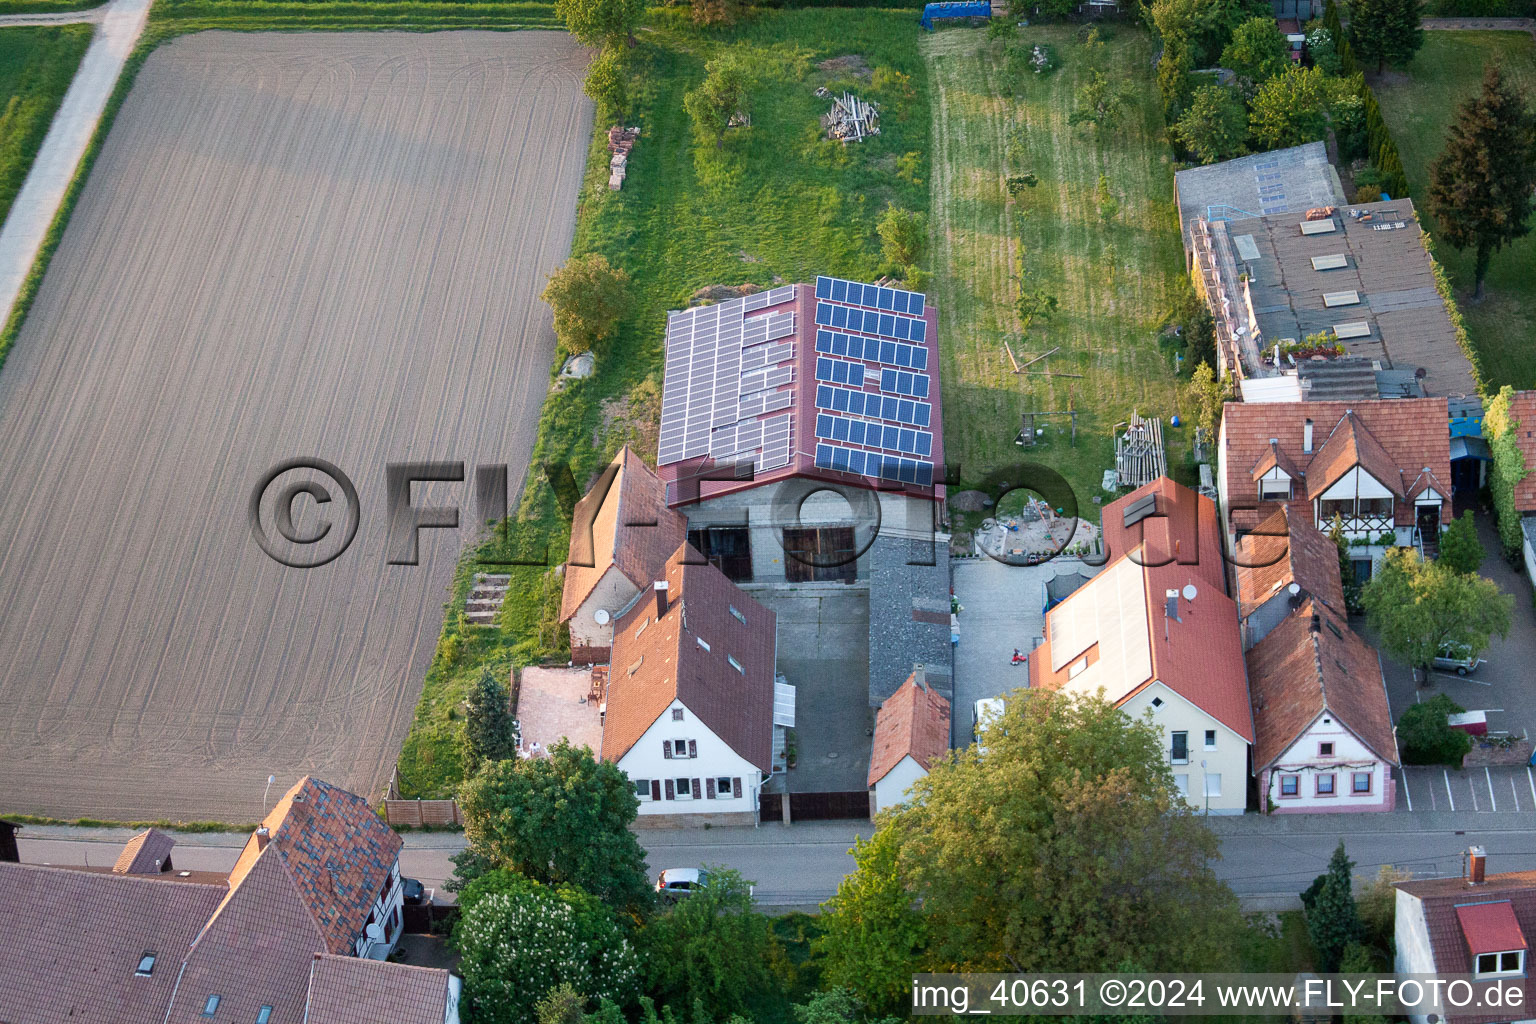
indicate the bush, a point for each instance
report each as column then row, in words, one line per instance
column 1424, row 737
column 589, row 298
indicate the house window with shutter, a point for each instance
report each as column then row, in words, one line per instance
column 684, row 787
column 671, row 790
column 666, row 749
column 677, row 714
column 655, row 789
column 722, row 785
column 643, row 788
column 679, row 748
column 736, row 788
column 698, row 790
column 709, row 789
column 693, row 748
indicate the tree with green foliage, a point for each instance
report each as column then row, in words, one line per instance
column 1460, row 550
column 1064, row 845
column 1208, row 395
column 1332, row 919
column 562, row 819
column 597, row 23
column 518, row 941
column 607, row 83
column 1358, row 960
column 562, row 1005
column 1100, row 102
column 488, row 730
column 590, row 298
column 1175, row 81
column 1385, row 31
column 836, row 1006
column 1214, row 125
column 711, row 948
column 1293, row 108
column 1376, row 900
column 1347, row 575
column 721, row 96
column 1480, row 187
column 1257, row 52
column 873, row 935
column 903, row 235
column 1204, row 27
column 1034, row 304
column 1507, row 468
column 1420, row 608
column 1424, row 734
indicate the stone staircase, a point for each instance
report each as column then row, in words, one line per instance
column 485, row 597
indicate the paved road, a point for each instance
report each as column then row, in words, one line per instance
column 1267, row 861
column 37, row 203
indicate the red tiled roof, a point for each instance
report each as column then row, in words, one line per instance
column 73, row 941
column 1393, row 438
column 1490, row 927
column 1282, row 550
column 145, row 854
column 913, row 721
column 1447, row 940
column 1200, row 657
column 665, row 662
column 346, row 990
column 254, row 952
column 1297, row 674
column 1522, row 415
column 337, row 851
column 631, row 528
column 1185, row 530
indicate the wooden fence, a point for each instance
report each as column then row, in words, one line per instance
column 422, row 812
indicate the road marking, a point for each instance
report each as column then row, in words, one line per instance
column 1532, row 781
column 1407, row 792
column 1448, row 794
column 1471, row 788
column 1516, row 792
column 1491, row 798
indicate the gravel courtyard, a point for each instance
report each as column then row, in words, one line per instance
column 291, row 245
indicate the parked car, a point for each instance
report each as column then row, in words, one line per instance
column 676, row 882
column 1458, row 659
column 413, row 891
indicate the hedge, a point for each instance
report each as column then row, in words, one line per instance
column 1379, row 144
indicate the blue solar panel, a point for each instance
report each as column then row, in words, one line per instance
column 855, row 294
column 874, row 435
column 840, row 372
column 887, row 467
column 861, row 403
column 874, row 350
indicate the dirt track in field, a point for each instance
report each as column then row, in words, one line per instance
column 291, row 245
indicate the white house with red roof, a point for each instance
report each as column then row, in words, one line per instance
column 911, row 735
column 1155, row 632
column 1475, row 924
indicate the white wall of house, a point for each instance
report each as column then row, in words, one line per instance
column 613, row 592
column 1225, row 770
column 385, row 920
column 1530, row 553
column 893, row 788
column 715, row 759
column 1305, row 761
column 1411, row 935
column 455, row 988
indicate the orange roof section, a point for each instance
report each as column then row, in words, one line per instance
column 913, row 722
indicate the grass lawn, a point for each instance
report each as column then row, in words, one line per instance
column 776, row 202
column 1419, row 106
column 1116, row 277
column 36, row 65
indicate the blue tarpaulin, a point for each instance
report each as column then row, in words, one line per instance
column 961, row 9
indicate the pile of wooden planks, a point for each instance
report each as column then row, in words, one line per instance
column 1139, row 454
column 851, row 119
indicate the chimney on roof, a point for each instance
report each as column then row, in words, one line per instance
column 1317, row 622
column 1477, row 865
column 660, row 588
column 920, row 675
column 263, row 836
column 1306, row 436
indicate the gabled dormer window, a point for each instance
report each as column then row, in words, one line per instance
column 1496, row 964
column 1271, row 489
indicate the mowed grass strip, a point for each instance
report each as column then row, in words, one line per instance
column 173, row 17
column 36, row 66
column 1115, row 276
column 1419, row 107
column 775, row 203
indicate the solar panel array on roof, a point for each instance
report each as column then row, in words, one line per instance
column 872, row 296
column 722, row 373
column 885, row 467
column 1139, row 509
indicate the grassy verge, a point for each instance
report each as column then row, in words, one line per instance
column 1419, row 106
column 36, row 66
column 776, row 202
column 174, row 17
column 164, row 826
column 47, row 6
column 1116, row 272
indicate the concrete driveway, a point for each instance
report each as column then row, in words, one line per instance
column 1001, row 609
column 824, row 654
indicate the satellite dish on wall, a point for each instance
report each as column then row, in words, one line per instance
column 601, row 616
column 1294, row 588
column 1190, row 591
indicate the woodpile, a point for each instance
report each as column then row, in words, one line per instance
column 850, row 119
column 620, row 141
column 1139, row 454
